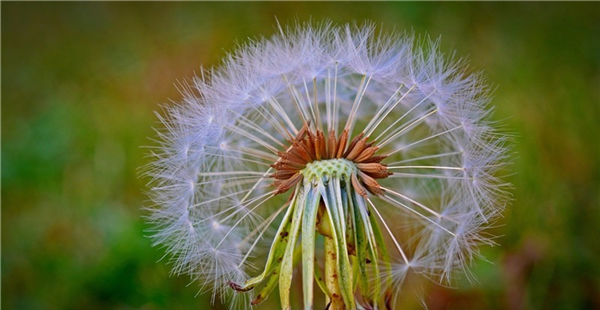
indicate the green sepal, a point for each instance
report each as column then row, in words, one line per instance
column 372, row 243
column 267, row 289
column 276, row 252
column 361, row 243
column 309, row 222
column 287, row 264
column 320, row 281
column 333, row 199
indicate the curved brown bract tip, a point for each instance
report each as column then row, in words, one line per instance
column 309, row 146
column 238, row 288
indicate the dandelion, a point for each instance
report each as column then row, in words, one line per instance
column 362, row 157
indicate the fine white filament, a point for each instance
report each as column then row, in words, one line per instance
column 214, row 207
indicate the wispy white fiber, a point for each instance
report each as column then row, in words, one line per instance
column 209, row 176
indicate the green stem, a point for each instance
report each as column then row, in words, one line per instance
column 335, row 299
column 331, row 275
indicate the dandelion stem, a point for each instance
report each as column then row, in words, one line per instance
column 335, row 301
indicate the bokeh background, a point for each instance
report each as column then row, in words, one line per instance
column 80, row 82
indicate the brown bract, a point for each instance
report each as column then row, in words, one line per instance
column 309, row 146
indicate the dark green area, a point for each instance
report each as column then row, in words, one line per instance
column 80, row 82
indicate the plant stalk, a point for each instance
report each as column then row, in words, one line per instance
column 335, row 300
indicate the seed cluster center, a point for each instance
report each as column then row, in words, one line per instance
column 356, row 159
column 323, row 170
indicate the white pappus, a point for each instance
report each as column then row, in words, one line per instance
column 327, row 139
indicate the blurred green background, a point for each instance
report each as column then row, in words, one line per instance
column 80, row 82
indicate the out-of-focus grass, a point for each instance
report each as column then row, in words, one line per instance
column 80, row 82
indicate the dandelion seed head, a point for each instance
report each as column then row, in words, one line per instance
column 376, row 132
